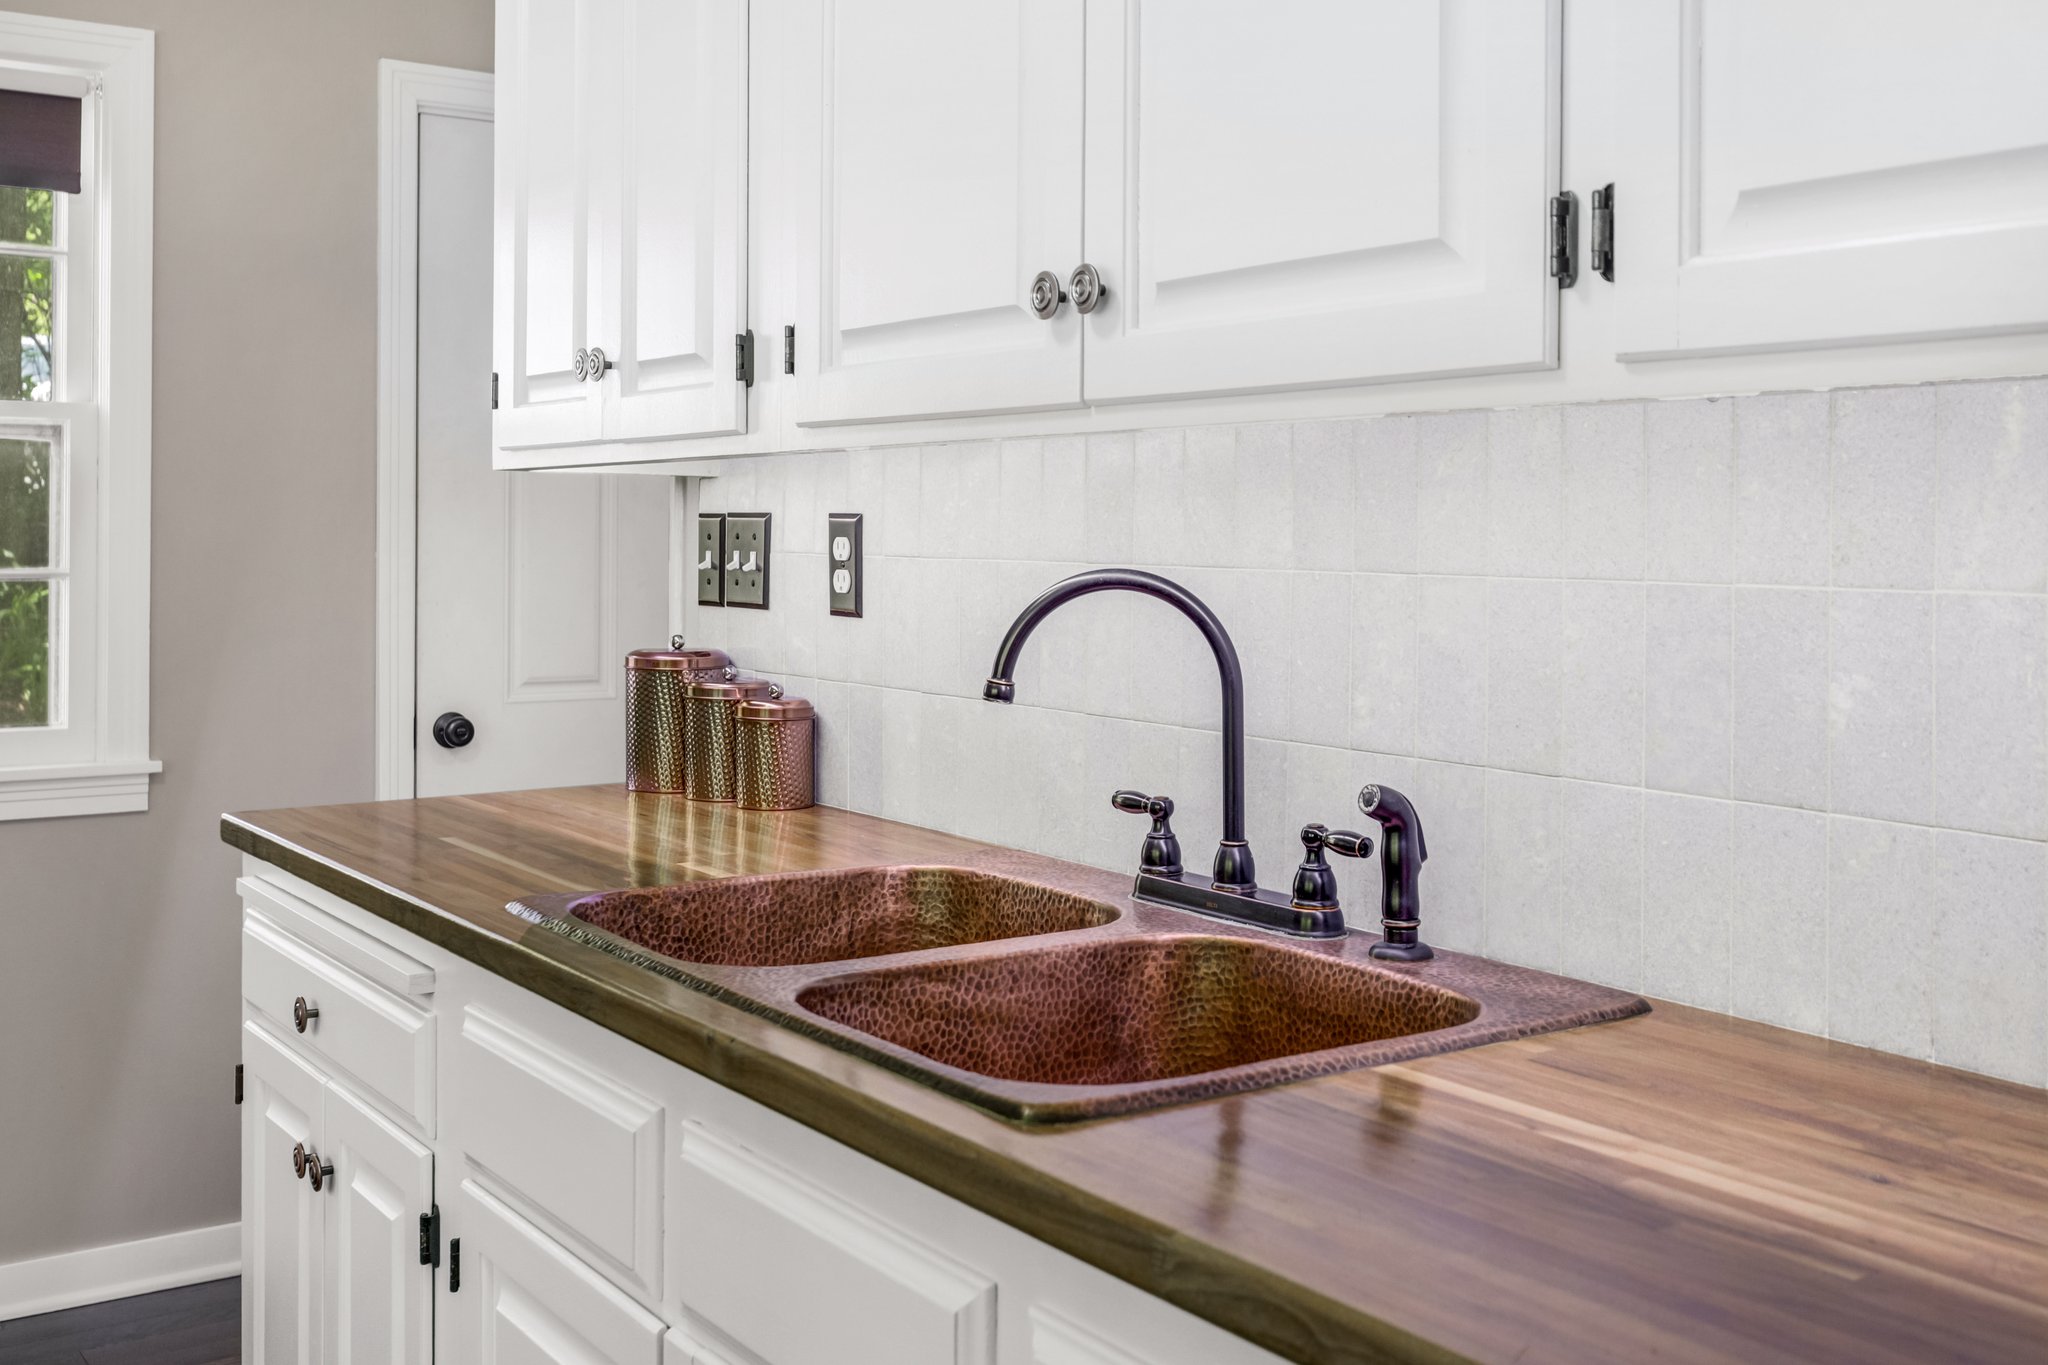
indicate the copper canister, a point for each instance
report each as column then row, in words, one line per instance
column 774, row 753
column 709, row 713
column 655, row 732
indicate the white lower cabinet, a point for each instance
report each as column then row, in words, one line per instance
column 601, row 1205
column 524, row 1300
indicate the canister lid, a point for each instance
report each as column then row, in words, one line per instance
column 775, row 709
column 675, row 656
column 738, row 689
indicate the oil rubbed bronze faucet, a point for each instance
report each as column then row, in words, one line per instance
column 1231, row 890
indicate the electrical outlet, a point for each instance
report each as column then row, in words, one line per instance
column 710, row 559
column 842, row 563
column 746, row 559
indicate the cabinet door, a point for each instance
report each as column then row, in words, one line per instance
column 677, row 264
column 526, row 1301
column 1315, row 192
column 281, row 1238
column 1797, row 175
column 554, row 156
column 379, row 1297
column 938, row 150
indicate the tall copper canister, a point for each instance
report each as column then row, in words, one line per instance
column 655, row 731
column 710, row 710
column 775, row 753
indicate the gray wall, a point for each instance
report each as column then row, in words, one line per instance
column 1739, row 702
column 118, row 978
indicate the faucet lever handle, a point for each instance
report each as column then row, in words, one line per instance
column 1161, row 853
column 1350, row 843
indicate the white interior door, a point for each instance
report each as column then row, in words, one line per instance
column 531, row 587
column 1315, row 192
column 938, row 146
column 1796, row 175
column 555, row 162
column 680, row 250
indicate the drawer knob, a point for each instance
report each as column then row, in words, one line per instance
column 301, row 1012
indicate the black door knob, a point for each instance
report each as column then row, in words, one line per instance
column 452, row 730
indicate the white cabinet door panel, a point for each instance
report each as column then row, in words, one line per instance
column 552, row 154
column 281, row 1240
column 756, row 1237
column 379, row 1296
column 679, row 271
column 939, row 152
column 1317, row 192
column 1800, row 175
column 526, row 1301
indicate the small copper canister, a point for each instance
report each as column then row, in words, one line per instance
column 774, row 753
column 709, row 712
column 655, row 682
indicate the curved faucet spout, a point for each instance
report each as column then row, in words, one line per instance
column 1234, row 870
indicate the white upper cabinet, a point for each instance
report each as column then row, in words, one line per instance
column 1315, row 192
column 545, row 272
column 679, row 269
column 621, row 220
column 936, row 147
column 1794, row 175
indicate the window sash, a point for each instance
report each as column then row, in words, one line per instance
column 75, row 571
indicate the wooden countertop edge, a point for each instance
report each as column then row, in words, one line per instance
column 1239, row 1296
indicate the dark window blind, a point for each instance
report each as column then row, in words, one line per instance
column 39, row 145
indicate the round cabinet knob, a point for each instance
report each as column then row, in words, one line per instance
column 299, row 1159
column 1087, row 288
column 318, row 1170
column 598, row 363
column 582, row 363
column 303, row 1012
column 452, row 730
column 1046, row 294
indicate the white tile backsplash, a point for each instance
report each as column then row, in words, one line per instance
column 1739, row 702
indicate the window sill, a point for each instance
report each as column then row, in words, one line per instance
column 75, row 789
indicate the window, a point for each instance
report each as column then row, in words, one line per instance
column 76, row 106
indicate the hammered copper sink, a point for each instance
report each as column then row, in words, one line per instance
column 1051, row 998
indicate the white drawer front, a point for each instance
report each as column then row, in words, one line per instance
column 383, row 1043
column 581, row 1151
column 800, row 1277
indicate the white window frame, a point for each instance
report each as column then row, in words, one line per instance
column 96, row 760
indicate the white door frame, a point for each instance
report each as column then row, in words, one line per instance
column 405, row 90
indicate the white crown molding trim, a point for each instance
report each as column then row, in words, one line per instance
column 75, row 789
column 405, row 90
column 99, row 1274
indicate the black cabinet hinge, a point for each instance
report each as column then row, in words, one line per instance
column 454, row 1264
column 789, row 348
column 1564, row 239
column 494, row 390
column 430, row 1237
column 1600, row 246
column 743, row 357
column 238, row 1082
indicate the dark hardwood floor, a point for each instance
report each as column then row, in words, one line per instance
column 198, row 1325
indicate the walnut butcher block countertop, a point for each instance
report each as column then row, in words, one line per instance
column 1674, row 1187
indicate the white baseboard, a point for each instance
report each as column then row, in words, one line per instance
column 98, row 1274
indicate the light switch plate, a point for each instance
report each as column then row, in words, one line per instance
column 746, row 559
column 710, row 559
column 842, row 563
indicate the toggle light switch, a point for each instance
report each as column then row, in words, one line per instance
column 842, row 532
column 746, row 572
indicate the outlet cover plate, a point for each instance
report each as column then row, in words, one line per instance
column 746, row 558
column 710, row 559
column 844, row 601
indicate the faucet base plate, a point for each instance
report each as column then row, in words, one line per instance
column 1260, row 908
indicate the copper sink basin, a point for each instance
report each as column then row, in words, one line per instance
column 1130, row 1010
column 832, row 916
column 1041, row 992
